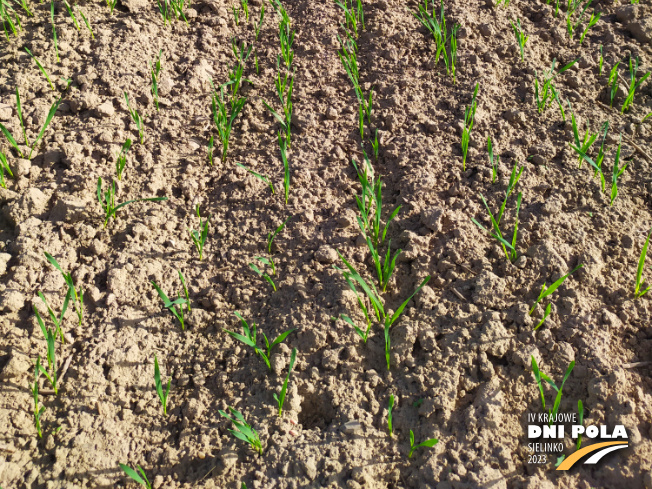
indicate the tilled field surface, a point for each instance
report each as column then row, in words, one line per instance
column 461, row 350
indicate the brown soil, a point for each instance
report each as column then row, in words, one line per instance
column 460, row 352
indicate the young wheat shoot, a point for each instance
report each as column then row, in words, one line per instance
column 280, row 399
column 135, row 476
column 158, row 385
column 427, row 443
column 107, row 201
column 77, row 294
column 249, row 339
column 243, row 431
column 639, row 290
column 633, row 84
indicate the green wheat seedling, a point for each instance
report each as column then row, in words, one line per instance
column 428, row 443
column 72, row 14
column 272, row 236
column 243, row 431
column 48, row 119
column 521, row 38
column 138, row 120
column 280, row 10
column 504, row 3
column 245, row 8
column 135, row 476
column 451, row 68
column 155, row 71
column 646, row 117
column 573, row 6
column 616, row 173
column 199, row 237
column 14, row 24
column 546, row 291
column 176, row 306
column 544, row 90
column 539, row 376
column 589, row 138
column 51, row 354
column 633, row 84
column 111, row 4
column 162, row 394
column 258, row 26
column 76, row 294
column 54, row 32
column 56, row 320
column 40, row 66
column 267, row 261
column 390, row 421
column 557, row 98
column 372, row 222
column 580, row 411
column 436, row 27
column 362, row 302
column 170, row 9
column 512, row 254
column 375, row 217
column 546, row 313
column 249, row 339
column 368, row 183
column 280, row 399
column 370, row 204
column 492, row 161
column 639, row 291
column 601, row 61
column 237, row 72
column 19, row 111
column 469, row 119
column 88, row 24
column 107, row 201
column 4, row 167
column 283, row 146
column 349, row 58
column 352, row 276
column 384, row 268
column 209, row 150
column 597, row 164
column 38, row 411
column 11, row 140
column 375, row 145
column 592, row 21
column 514, row 178
column 613, row 83
column 286, row 39
column 223, row 117
column 262, row 274
column 236, row 14
column 259, row 176
column 285, row 97
column 121, row 161
column 33, row 146
column 601, row 151
column 241, row 51
column 353, row 13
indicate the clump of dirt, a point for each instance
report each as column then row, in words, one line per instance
column 462, row 349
